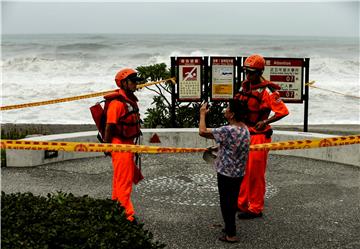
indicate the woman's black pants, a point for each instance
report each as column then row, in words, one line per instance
column 229, row 188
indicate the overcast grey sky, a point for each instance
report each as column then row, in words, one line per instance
column 255, row 18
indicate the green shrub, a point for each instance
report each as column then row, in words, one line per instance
column 16, row 133
column 3, row 158
column 186, row 114
column 64, row 221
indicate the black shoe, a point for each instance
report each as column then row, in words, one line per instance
column 248, row 215
column 135, row 222
column 227, row 239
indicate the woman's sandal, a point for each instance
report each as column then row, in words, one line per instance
column 225, row 238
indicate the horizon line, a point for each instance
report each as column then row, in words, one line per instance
column 186, row 34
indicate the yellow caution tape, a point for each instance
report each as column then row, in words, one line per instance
column 98, row 147
column 91, row 147
column 54, row 101
column 311, row 84
column 308, row 144
column 86, row 96
column 156, row 82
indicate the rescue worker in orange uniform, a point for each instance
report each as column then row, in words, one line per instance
column 262, row 98
column 123, row 127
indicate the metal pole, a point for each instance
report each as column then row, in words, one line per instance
column 239, row 71
column 206, row 79
column 306, row 96
column 173, row 96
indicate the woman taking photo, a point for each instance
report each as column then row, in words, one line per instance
column 233, row 140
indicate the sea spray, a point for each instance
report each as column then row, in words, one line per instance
column 43, row 67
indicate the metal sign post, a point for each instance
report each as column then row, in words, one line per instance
column 306, row 96
column 191, row 77
column 173, row 94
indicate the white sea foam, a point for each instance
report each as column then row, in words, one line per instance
column 43, row 67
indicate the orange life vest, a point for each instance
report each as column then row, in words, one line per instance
column 253, row 95
column 128, row 126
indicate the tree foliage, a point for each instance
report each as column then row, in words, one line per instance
column 186, row 114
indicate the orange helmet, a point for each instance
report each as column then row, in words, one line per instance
column 255, row 61
column 123, row 74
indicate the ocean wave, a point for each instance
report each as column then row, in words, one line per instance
column 78, row 64
column 96, row 37
column 143, row 55
column 82, row 47
column 21, row 64
column 335, row 67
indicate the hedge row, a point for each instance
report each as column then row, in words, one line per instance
column 64, row 221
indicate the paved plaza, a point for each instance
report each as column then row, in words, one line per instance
column 309, row 203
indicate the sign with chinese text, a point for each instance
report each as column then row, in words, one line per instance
column 288, row 74
column 189, row 84
column 222, row 78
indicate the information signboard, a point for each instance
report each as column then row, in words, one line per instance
column 288, row 73
column 194, row 84
column 189, row 78
column 222, row 78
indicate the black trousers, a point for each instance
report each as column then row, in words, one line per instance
column 229, row 188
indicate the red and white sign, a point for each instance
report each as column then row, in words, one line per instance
column 288, row 74
column 189, row 73
column 189, row 85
